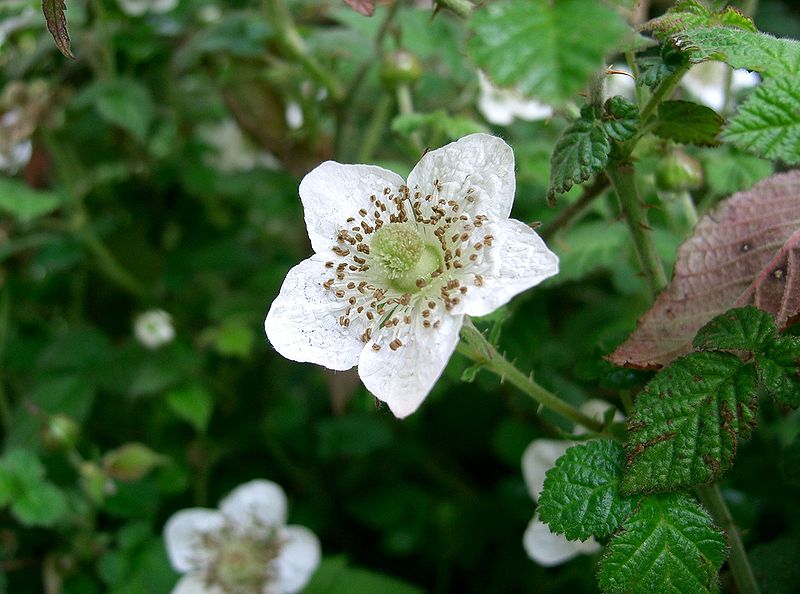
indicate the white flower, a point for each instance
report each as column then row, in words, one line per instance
column 16, row 157
column 244, row 548
column 706, row 82
column 232, row 151
column 501, row 106
column 138, row 8
column 399, row 263
column 294, row 115
column 542, row 545
column 153, row 328
column 15, row 149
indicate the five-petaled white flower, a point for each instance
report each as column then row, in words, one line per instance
column 398, row 264
column 153, row 328
column 244, row 548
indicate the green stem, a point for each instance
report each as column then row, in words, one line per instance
column 462, row 8
column 711, row 496
column 573, row 210
column 5, row 407
column 475, row 346
column 662, row 91
column 624, row 183
column 377, row 124
column 109, row 265
column 406, row 106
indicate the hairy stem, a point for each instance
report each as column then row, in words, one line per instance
column 475, row 346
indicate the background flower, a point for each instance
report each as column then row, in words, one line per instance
column 706, row 82
column 154, row 328
column 501, row 106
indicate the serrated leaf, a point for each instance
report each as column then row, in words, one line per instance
column 745, row 252
column 580, row 496
column 57, row 24
column 582, row 151
column 193, row 404
column 768, row 123
column 621, row 118
column 691, row 14
column 687, row 421
column 43, row 505
column 743, row 329
column 688, row 123
column 669, row 545
column 521, row 44
column 24, row 203
column 779, row 371
column 124, row 102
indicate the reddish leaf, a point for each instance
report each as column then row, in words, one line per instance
column 365, row 7
column 57, row 24
column 745, row 252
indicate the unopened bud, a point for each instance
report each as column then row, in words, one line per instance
column 60, row 432
column 131, row 461
column 400, row 67
column 678, row 172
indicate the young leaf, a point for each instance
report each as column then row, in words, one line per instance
column 582, row 151
column 743, row 329
column 621, row 118
column 779, row 371
column 687, row 421
column 688, row 123
column 580, row 496
column 43, row 505
column 744, row 252
column 669, row 545
column 540, row 67
column 691, row 14
column 194, row 404
column 25, row 203
column 57, row 24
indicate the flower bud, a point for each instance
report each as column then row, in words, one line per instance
column 60, row 432
column 131, row 461
column 94, row 482
column 678, row 172
column 400, row 67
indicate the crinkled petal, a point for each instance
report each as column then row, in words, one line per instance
column 258, row 501
column 402, row 378
column 299, row 558
column 482, row 162
column 193, row 583
column 549, row 549
column 333, row 192
column 538, row 458
column 182, row 536
column 517, row 260
column 303, row 321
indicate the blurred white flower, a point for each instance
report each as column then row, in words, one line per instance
column 294, row 115
column 16, row 157
column 244, row 547
column 398, row 264
column 232, row 151
column 137, row 8
column 501, row 106
column 28, row 17
column 153, row 328
column 706, row 82
column 543, row 546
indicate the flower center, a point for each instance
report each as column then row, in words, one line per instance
column 404, row 256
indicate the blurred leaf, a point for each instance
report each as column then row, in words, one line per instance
column 124, row 102
column 582, row 151
column 233, row 338
column 688, row 123
column 193, row 404
column 437, row 123
column 588, row 247
column 131, row 461
column 352, row 436
column 42, row 505
column 24, row 203
column 57, row 25
column 669, row 545
column 729, row 170
column 691, row 14
column 774, row 565
column 335, row 576
column 82, row 348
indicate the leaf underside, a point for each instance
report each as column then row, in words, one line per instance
column 688, row 123
column 57, row 24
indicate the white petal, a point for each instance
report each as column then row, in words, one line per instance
column 298, row 559
column 163, row 6
column 403, row 378
column 596, row 408
column 744, row 79
column 258, row 501
column 303, row 321
column 517, row 260
column 333, row 192
column 549, row 549
column 134, row 7
column 538, row 458
column 482, row 162
column 193, row 583
column 182, row 534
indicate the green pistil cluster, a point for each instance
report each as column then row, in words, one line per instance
column 241, row 563
column 404, row 256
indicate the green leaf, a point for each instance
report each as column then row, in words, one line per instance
column 691, row 14
column 43, row 505
column 686, row 422
column 57, row 25
column 588, row 247
column 521, row 44
column 580, row 496
column 436, row 123
column 688, row 123
column 335, row 576
column 768, row 123
column 582, row 151
column 123, row 102
column 621, row 118
column 24, row 203
column 742, row 329
column 729, row 170
column 779, row 370
column 654, row 70
column 669, row 545
column 775, row 564
column 194, row 404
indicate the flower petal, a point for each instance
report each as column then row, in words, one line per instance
column 549, row 549
column 517, row 260
column 182, row 536
column 298, row 559
column 193, row 583
column 402, row 378
column 303, row 321
column 482, row 162
column 539, row 457
column 333, row 192
column 256, row 501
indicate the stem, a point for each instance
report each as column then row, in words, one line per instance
column 377, row 124
column 462, row 8
column 475, row 346
column 662, row 91
column 622, row 178
column 406, row 106
column 711, row 496
column 109, row 265
column 565, row 217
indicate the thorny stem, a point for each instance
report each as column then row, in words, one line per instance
column 475, row 346
column 712, row 499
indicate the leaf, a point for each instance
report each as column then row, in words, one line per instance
column 778, row 371
column 730, row 170
column 194, row 404
column 768, row 123
column 123, row 102
column 743, row 329
column 335, row 576
column 365, row 7
column 669, row 545
column 588, row 247
column 621, row 118
column 745, row 252
column 687, row 421
column 24, row 203
column 691, row 14
column 57, row 25
column 688, row 123
column 438, row 123
column 580, row 496
column 521, row 44
column 43, row 505
column 582, row 151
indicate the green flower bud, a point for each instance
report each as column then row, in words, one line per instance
column 678, row 172
column 60, row 432
column 131, row 461
column 400, row 67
